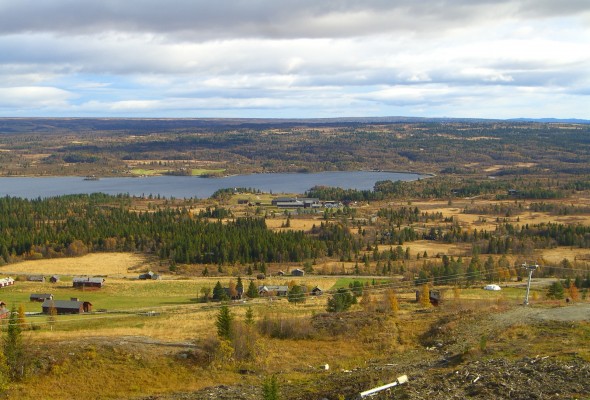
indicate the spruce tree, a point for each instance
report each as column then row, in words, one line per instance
column 13, row 347
column 240, row 286
column 342, row 300
column 296, row 295
column 555, row 291
column 219, row 293
column 224, row 322
column 252, row 292
column 249, row 316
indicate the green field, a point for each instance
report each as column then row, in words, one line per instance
column 115, row 295
column 142, row 171
column 201, row 172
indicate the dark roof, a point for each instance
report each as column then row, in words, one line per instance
column 86, row 279
column 41, row 295
column 68, row 304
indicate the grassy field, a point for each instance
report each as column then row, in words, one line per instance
column 160, row 171
column 125, row 347
column 90, row 264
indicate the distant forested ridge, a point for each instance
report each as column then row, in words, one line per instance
column 470, row 148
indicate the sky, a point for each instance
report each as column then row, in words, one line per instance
column 295, row 58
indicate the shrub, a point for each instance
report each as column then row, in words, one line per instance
column 244, row 342
column 270, row 389
column 342, row 300
column 280, row 327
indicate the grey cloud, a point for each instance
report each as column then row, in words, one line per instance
column 197, row 20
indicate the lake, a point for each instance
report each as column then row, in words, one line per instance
column 192, row 186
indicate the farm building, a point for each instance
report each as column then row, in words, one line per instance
column 6, row 282
column 40, row 296
column 316, row 291
column 149, row 275
column 297, row 272
column 54, row 279
column 294, row 202
column 66, row 306
column 84, row 282
column 435, row 297
column 273, row 290
column 36, row 278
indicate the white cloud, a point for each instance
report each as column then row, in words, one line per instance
column 376, row 57
column 31, row 97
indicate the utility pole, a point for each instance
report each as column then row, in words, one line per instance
column 531, row 268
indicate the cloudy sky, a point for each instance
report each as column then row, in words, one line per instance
column 295, row 58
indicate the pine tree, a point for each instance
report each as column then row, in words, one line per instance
column 224, row 323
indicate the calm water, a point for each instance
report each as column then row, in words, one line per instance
column 187, row 186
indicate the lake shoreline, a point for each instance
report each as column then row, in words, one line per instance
column 170, row 186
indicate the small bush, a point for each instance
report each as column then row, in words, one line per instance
column 281, row 327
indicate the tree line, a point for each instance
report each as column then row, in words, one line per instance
column 75, row 225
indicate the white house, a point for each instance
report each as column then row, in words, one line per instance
column 6, row 282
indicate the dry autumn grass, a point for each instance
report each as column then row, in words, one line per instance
column 90, row 264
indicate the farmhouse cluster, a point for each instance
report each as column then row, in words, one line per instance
column 297, row 202
column 53, row 306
